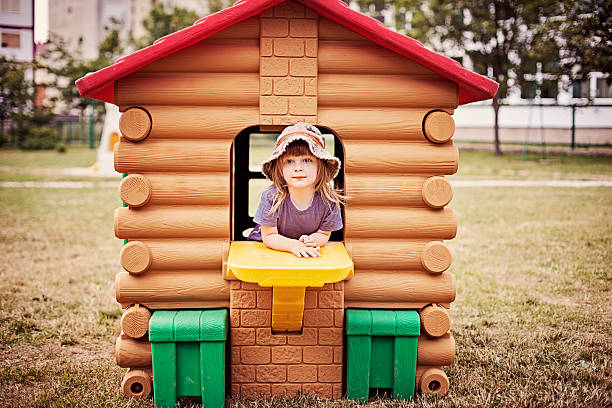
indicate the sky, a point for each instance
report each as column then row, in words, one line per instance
column 41, row 20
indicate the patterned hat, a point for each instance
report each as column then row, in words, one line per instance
column 308, row 133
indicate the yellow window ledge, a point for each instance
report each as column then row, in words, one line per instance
column 288, row 275
column 251, row 261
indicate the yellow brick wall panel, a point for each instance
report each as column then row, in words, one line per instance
column 274, row 27
column 303, row 106
column 312, row 47
column 303, row 28
column 288, row 47
column 274, row 66
column 266, row 47
column 310, row 87
column 290, row 9
column 265, row 86
column 303, row 67
column 288, row 86
column 273, row 105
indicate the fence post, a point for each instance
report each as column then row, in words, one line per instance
column 91, row 125
column 573, row 127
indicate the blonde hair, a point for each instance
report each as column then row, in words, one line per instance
column 325, row 172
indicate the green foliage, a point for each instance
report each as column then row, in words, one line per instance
column 162, row 21
column 15, row 90
column 33, row 131
column 583, row 29
column 216, row 5
column 66, row 66
column 39, row 138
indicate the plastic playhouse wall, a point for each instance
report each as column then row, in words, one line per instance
column 180, row 116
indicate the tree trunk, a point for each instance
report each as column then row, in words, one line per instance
column 496, row 106
column 379, row 6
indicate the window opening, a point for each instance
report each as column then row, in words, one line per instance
column 11, row 6
column 604, row 88
column 250, row 148
column 10, row 40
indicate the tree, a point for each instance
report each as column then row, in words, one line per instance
column 161, row 22
column 583, row 32
column 67, row 66
column 216, row 5
column 376, row 9
column 16, row 92
column 497, row 35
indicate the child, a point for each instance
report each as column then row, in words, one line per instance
column 300, row 210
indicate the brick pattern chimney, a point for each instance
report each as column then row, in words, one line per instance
column 288, row 64
column 265, row 364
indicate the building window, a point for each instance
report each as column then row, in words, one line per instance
column 9, row 6
column 528, row 90
column 10, row 40
column 580, row 89
column 604, row 88
column 549, row 89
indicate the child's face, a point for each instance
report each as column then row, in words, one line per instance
column 300, row 171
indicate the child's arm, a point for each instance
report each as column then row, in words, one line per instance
column 316, row 239
column 274, row 240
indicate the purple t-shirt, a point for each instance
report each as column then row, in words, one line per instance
column 293, row 223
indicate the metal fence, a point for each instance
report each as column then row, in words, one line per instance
column 71, row 130
column 561, row 125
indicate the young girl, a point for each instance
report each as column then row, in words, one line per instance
column 300, row 210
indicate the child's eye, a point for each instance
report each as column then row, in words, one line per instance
column 289, row 161
column 308, row 160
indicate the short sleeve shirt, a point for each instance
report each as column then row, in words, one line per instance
column 293, row 223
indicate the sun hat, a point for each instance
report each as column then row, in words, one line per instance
column 308, row 133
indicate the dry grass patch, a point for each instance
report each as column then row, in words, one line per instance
column 531, row 319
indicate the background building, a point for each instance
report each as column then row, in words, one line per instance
column 17, row 29
column 84, row 22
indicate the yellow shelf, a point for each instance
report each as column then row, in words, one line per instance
column 253, row 262
column 288, row 275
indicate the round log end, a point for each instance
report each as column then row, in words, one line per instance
column 437, row 192
column 136, row 257
column 435, row 320
column 135, row 321
column 136, row 384
column 135, row 124
column 439, row 127
column 135, row 190
column 436, row 257
column 434, row 381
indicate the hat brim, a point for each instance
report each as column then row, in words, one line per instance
column 315, row 149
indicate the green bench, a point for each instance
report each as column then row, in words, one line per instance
column 188, row 349
column 381, row 352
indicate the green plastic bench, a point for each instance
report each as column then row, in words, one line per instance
column 188, row 356
column 381, row 352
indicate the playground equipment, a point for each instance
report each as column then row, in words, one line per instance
column 110, row 135
column 190, row 104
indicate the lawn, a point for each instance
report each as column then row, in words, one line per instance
column 531, row 319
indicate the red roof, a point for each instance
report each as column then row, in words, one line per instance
column 472, row 87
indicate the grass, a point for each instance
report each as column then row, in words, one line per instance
column 531, row 319
column 478, row 164
column 47, row 165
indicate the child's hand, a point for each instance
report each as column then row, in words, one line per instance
column 308, row 241
column 302, row 250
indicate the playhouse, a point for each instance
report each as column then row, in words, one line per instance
column 209, row 314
